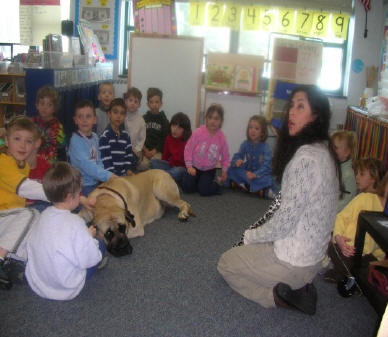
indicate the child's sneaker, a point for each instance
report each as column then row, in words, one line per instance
column 5, row 282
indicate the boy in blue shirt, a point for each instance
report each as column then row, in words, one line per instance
column 115, row 143
column 83, row 149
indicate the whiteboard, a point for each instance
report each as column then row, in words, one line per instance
column 171, row 63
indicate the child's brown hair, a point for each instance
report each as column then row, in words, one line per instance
column 84, row 103
column 49, row 92
column 263, row 125
column 215, row 108
column 117, row 102
column 182, row 120
column 151, row 92
column 134, row 92
column 60, row 180
column 374, row 166
column 350, row 140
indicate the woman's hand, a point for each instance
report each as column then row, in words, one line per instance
column 346, row 249
column 238, row 163
column 191, row 170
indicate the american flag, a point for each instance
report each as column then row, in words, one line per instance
column 366, row 4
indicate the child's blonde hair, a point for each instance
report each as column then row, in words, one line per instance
column 263, row 125
column 49, row 92
column 374, row 166
column 108, row 84
column 22, row 123
column 350, row 140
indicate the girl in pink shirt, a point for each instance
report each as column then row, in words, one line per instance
column 204, row 150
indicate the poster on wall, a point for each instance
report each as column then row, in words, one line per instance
column 296, row 61
column 37, row 18
column 103, row 18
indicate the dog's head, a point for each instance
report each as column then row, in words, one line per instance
column 113, row 223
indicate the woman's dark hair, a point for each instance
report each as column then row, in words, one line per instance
column 183, row 121
column 315, row 131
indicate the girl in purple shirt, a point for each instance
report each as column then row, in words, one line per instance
column 204, row 150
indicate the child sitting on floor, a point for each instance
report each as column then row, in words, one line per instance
column 173, row 152
column 62, row 252
column 38, row 167
column 134, row 123
column 251, row 166
column 83, row 149
column 205, row 148
column 369, row 172
column 53, row 145
column 157, row 126
column 345, row 147
column 115, row 144
column 105, row 96
column 15, row 219
column 341, row 248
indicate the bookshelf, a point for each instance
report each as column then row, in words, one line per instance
column 12, row 95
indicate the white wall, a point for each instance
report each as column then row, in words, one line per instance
column 368, row 50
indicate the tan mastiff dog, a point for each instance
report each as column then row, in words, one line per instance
column 124, row 205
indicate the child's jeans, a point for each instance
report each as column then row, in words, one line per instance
column 176, row 172
column 203, row 182
column 90, row 271
column 40, row 205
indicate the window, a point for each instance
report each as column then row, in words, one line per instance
column 221, row 39
column 129, row 26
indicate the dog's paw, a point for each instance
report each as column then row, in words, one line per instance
column 185, row 214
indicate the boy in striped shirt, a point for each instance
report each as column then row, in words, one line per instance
column 115, row 144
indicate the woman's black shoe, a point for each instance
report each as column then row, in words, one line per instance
column 303, row 299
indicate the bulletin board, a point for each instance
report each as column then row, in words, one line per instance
column 172, row 64
column 103, row 17
column 294, row 62
column 233, row 72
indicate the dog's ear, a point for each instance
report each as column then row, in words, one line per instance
column 130, row 218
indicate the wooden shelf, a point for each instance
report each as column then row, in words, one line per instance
column 13, row 102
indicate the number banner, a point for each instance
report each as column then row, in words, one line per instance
column 339, row 25
column 232, row 16
column 251, row 16
column 320, row 24
column 197, row 13
column 267, row 19
column 215, row 12
column 286, row 21
column 270, row 19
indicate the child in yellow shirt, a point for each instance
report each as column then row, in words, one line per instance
column 341, row 249
column 15, row 187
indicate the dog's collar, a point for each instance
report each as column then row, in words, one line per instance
column 128, row 215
